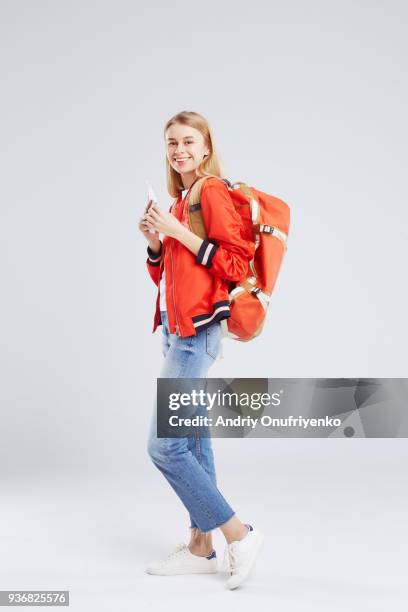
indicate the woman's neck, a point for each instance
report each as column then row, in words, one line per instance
column 188, row 180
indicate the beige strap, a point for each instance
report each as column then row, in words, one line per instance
column 194, row 195
column 197, row 223
column 249, row 284
column 255, row 217
column 263, row 298
column 194, row 209
column 274, row 231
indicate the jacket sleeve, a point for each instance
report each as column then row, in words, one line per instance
column 153, row 263
column 225, row 252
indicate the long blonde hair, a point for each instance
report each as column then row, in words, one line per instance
column 210, row 165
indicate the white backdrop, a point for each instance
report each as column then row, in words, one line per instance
column 307, row 101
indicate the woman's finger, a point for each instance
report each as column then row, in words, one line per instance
column 151, row 225
column 154, row 213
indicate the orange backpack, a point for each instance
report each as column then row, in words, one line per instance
column 266, row 222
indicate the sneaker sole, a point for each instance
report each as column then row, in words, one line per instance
column 234, row 585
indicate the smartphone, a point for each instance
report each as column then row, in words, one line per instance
column 151, row 198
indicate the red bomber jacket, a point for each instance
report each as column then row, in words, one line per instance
column 197, row 286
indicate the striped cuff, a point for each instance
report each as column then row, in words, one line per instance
column 206, row 253
column 154, row 258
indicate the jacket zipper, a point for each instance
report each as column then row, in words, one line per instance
column 172, row 271
column 160, row 277
column 172, row 288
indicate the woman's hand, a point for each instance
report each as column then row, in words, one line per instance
column 162, row 221
column 166, row 223
column 152, row 238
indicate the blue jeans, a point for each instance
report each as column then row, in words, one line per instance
column 188, row 463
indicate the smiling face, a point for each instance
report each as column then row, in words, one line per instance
column 186, row 149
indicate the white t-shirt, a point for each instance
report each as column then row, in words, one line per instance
column 163, row 281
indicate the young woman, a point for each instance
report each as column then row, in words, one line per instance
column 193, row 277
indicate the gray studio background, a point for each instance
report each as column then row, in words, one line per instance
column 307, row 100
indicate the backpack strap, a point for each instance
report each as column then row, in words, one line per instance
column 194, row 207
column 253, row 202
column 255, row 217
column 275, row 231
column 249, row 285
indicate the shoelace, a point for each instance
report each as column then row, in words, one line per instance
column 179, row 548
column 233, row 557
column 225, row 561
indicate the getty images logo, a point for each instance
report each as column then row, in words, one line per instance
column 255, row 401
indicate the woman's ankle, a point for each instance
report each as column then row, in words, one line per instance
column 244, row 532
column 200, row 551
column 234, row 530
column 200, row 543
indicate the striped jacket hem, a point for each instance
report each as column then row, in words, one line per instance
column 221, row 310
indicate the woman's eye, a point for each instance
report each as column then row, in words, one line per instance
column 173, row 144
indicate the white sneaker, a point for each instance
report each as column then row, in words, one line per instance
column 241, row 556
column 182, row 561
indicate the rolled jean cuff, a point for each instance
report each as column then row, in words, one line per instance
column 217, row 525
